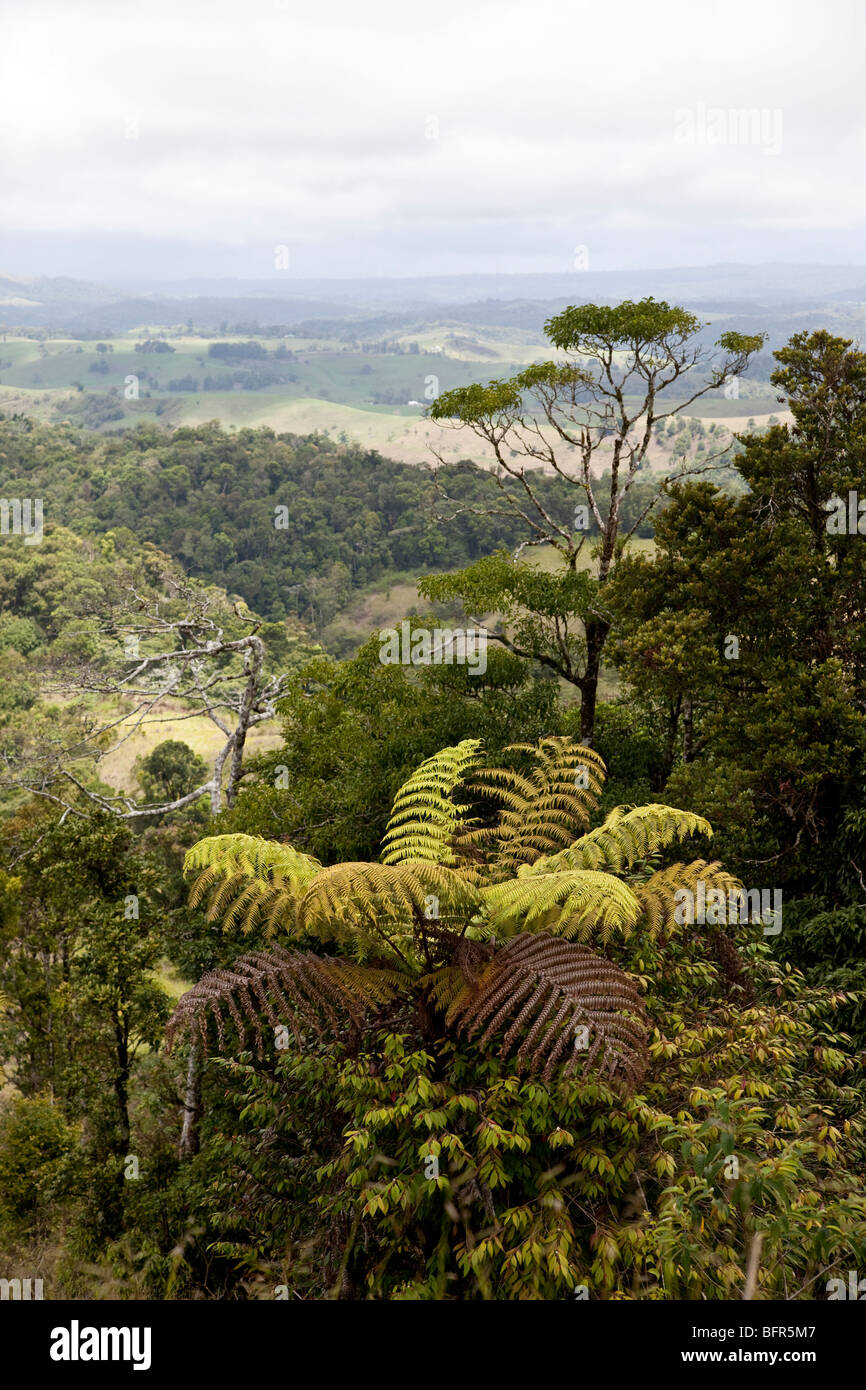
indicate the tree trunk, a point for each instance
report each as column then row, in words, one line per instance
column 671, row 740
column 191, row 1103
column 596, row 635
column 121, row 1082
column 688, row 731
column 253, row 662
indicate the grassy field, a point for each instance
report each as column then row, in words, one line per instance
column 368, row 397
column 547, row 557
column 322, row 369
column 517, row 347
column 168, row 720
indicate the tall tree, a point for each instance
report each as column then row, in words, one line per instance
column 750, row 614
column 596, row 406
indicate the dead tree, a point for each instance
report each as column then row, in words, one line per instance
column 174, row 646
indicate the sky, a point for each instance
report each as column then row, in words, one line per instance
column 268, row 138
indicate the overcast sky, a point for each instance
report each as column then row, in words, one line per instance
column 171, row 138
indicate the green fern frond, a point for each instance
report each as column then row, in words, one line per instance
column 570, row 903
column 628, row 835
column 657, row 896
column 424, row 819
column 444, row 986
column 249, row 855
column 251, row 881
column 544, row 808
column 379, row 899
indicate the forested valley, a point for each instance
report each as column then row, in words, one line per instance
column 325, row 975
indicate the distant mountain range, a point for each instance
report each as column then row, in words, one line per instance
column 769, row 283
column 62, row 304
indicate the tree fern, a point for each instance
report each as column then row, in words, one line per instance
column 429, row 920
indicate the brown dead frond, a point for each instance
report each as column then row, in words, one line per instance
column 555, row 996
column 297, row 989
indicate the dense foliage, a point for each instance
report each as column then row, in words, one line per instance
column 210, row 499
column 386, row 949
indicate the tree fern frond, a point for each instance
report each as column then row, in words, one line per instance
column 544, row 808
column 250, row 855
column 250, row 880
column 424, row 818
column 374, row 898
column 657, row 896
column 565, row 1004
column 444, row 986
column 570, row 903
column 308, row 990
column 629, row 834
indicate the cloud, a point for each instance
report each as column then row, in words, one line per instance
column 417, row 139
